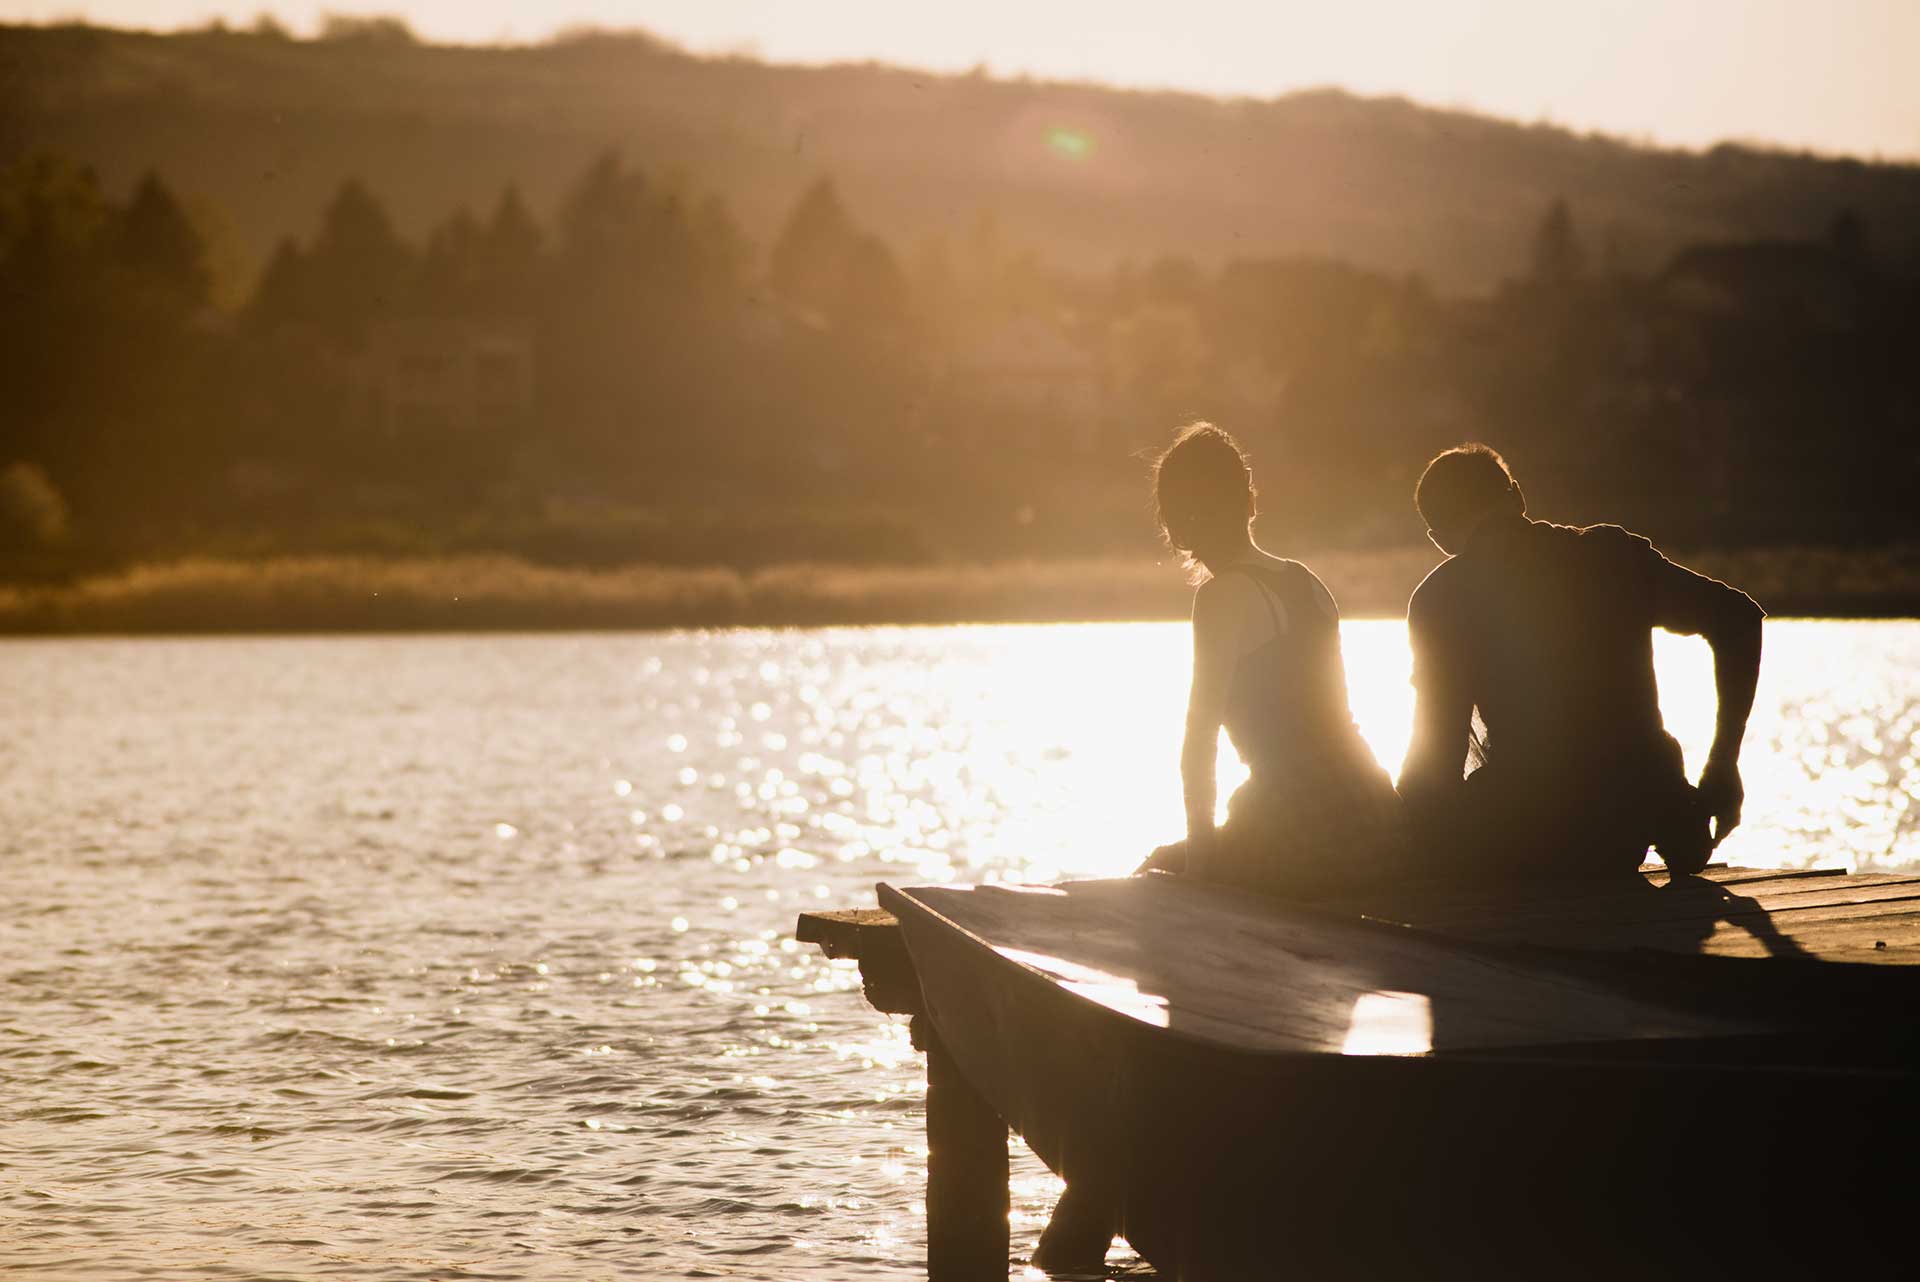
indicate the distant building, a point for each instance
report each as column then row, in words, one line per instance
column 448, row 375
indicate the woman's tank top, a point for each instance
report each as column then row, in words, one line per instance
column 1287, row 706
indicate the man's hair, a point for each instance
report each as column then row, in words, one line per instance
column 1460, row 484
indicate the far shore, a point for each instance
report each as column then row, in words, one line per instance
column 479, row 593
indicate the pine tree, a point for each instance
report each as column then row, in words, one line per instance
column 723, row 247
column 359, row 267
column 281, row 296
column 825, row 263
column 811, row 256
column 874, row 296
column 451, row 268
column 53, row 220
column 511, row 257
column 160, row 247
column 628, row 251
column 1558, row 258
column 599, row 218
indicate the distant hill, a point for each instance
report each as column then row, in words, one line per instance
column 266, row 128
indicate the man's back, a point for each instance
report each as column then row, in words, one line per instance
column 1546, row 631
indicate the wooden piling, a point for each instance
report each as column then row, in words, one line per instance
column 968, row 1239
column 967, row 1197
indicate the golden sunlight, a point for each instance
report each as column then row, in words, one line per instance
column 1112, row 991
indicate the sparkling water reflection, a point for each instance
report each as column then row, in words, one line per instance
column 471, row 956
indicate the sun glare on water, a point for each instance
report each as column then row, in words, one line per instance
column 1073, row 744
column 1075, row 748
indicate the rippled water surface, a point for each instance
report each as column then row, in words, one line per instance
column 456, row 957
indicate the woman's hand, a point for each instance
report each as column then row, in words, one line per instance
column 1170, row 858
column 1182, row 858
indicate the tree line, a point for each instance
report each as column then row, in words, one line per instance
column 629, row 378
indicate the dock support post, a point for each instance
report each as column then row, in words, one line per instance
column 967, row 1196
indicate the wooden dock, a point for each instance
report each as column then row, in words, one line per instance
column 1641, row 933
column 1823, row 914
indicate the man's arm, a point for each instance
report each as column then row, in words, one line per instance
column 1442, row 714
column 1730, row 621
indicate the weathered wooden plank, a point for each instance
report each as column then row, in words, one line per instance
column 1879, row 926
column 872, row 936
column 1888, row 944
column 1871, row 884
column 1548, row 904
column 1722, row 875
column 1774, row 937
column 1436, row 904
column 1882, row 947
column 842, row 932
column 1843, row 910
column 1572, row 926
column 1759, row 935
column 1245, row 972
column 1879, row 945
column 1438, row 907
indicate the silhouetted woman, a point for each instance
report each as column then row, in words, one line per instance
column 1318, row 814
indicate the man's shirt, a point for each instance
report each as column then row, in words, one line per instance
column 1547, row 631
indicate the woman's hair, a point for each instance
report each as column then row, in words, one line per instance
column 1202, row 493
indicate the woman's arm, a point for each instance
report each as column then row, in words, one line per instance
column 1216, row 618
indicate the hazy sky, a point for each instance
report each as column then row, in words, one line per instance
column 1836, row 76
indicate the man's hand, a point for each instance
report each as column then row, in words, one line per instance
column 1722, row 793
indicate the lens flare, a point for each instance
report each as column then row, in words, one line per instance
column 1075, row 144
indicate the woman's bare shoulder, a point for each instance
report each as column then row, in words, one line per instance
column 1322, row 596
column 1223, row 598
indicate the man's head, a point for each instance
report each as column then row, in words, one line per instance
column 1460, row 489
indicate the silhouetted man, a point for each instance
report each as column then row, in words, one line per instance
column 1546, row 632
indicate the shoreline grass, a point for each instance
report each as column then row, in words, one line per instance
column 497, row 593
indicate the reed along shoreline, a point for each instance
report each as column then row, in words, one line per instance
column 498, row 593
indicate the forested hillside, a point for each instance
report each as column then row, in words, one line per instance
column 599, row 304
column 265, row 128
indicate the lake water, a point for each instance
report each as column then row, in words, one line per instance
column 472, row 957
